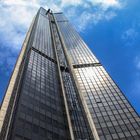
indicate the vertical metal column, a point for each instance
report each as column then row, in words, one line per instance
column 61, row 82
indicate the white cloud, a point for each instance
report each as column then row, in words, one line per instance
column 16, row 15
column 95, row 11
column 89, row 18
column 106, row 3
column 134, row 90
column 7, row 61
column 15, row 21
column 65, row 3
column 129, row 36
column 110, row 15
column 137, row 62
column 86, row 18
column 32, row 3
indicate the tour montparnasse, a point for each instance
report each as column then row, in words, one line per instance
column 60, row 91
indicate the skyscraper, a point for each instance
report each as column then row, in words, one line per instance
column 60, row 91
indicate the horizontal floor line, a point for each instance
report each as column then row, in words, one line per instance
column 62, row 21
column 58, row 13
column 87, row 65
column 44, row 55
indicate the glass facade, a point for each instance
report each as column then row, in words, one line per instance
column 40, row 112
column 41, row 109
column 77, row 49
column 113, row 116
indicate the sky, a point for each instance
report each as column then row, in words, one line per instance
column 111, row 29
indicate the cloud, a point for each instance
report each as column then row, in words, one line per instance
column 32, row 3
column 137, row 62
column 93, row 12
column 134, row 88
column 16, row 17
column 129, row 36
column 8, row 58
column 106, row 3
column 65, row 3
column 135, row 94
column 89, row 18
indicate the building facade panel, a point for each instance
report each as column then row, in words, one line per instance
column 60, row 17
column 42, row 40
column 77, row 49
column 80, row 125
column 40, row 112
column 113, row 116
